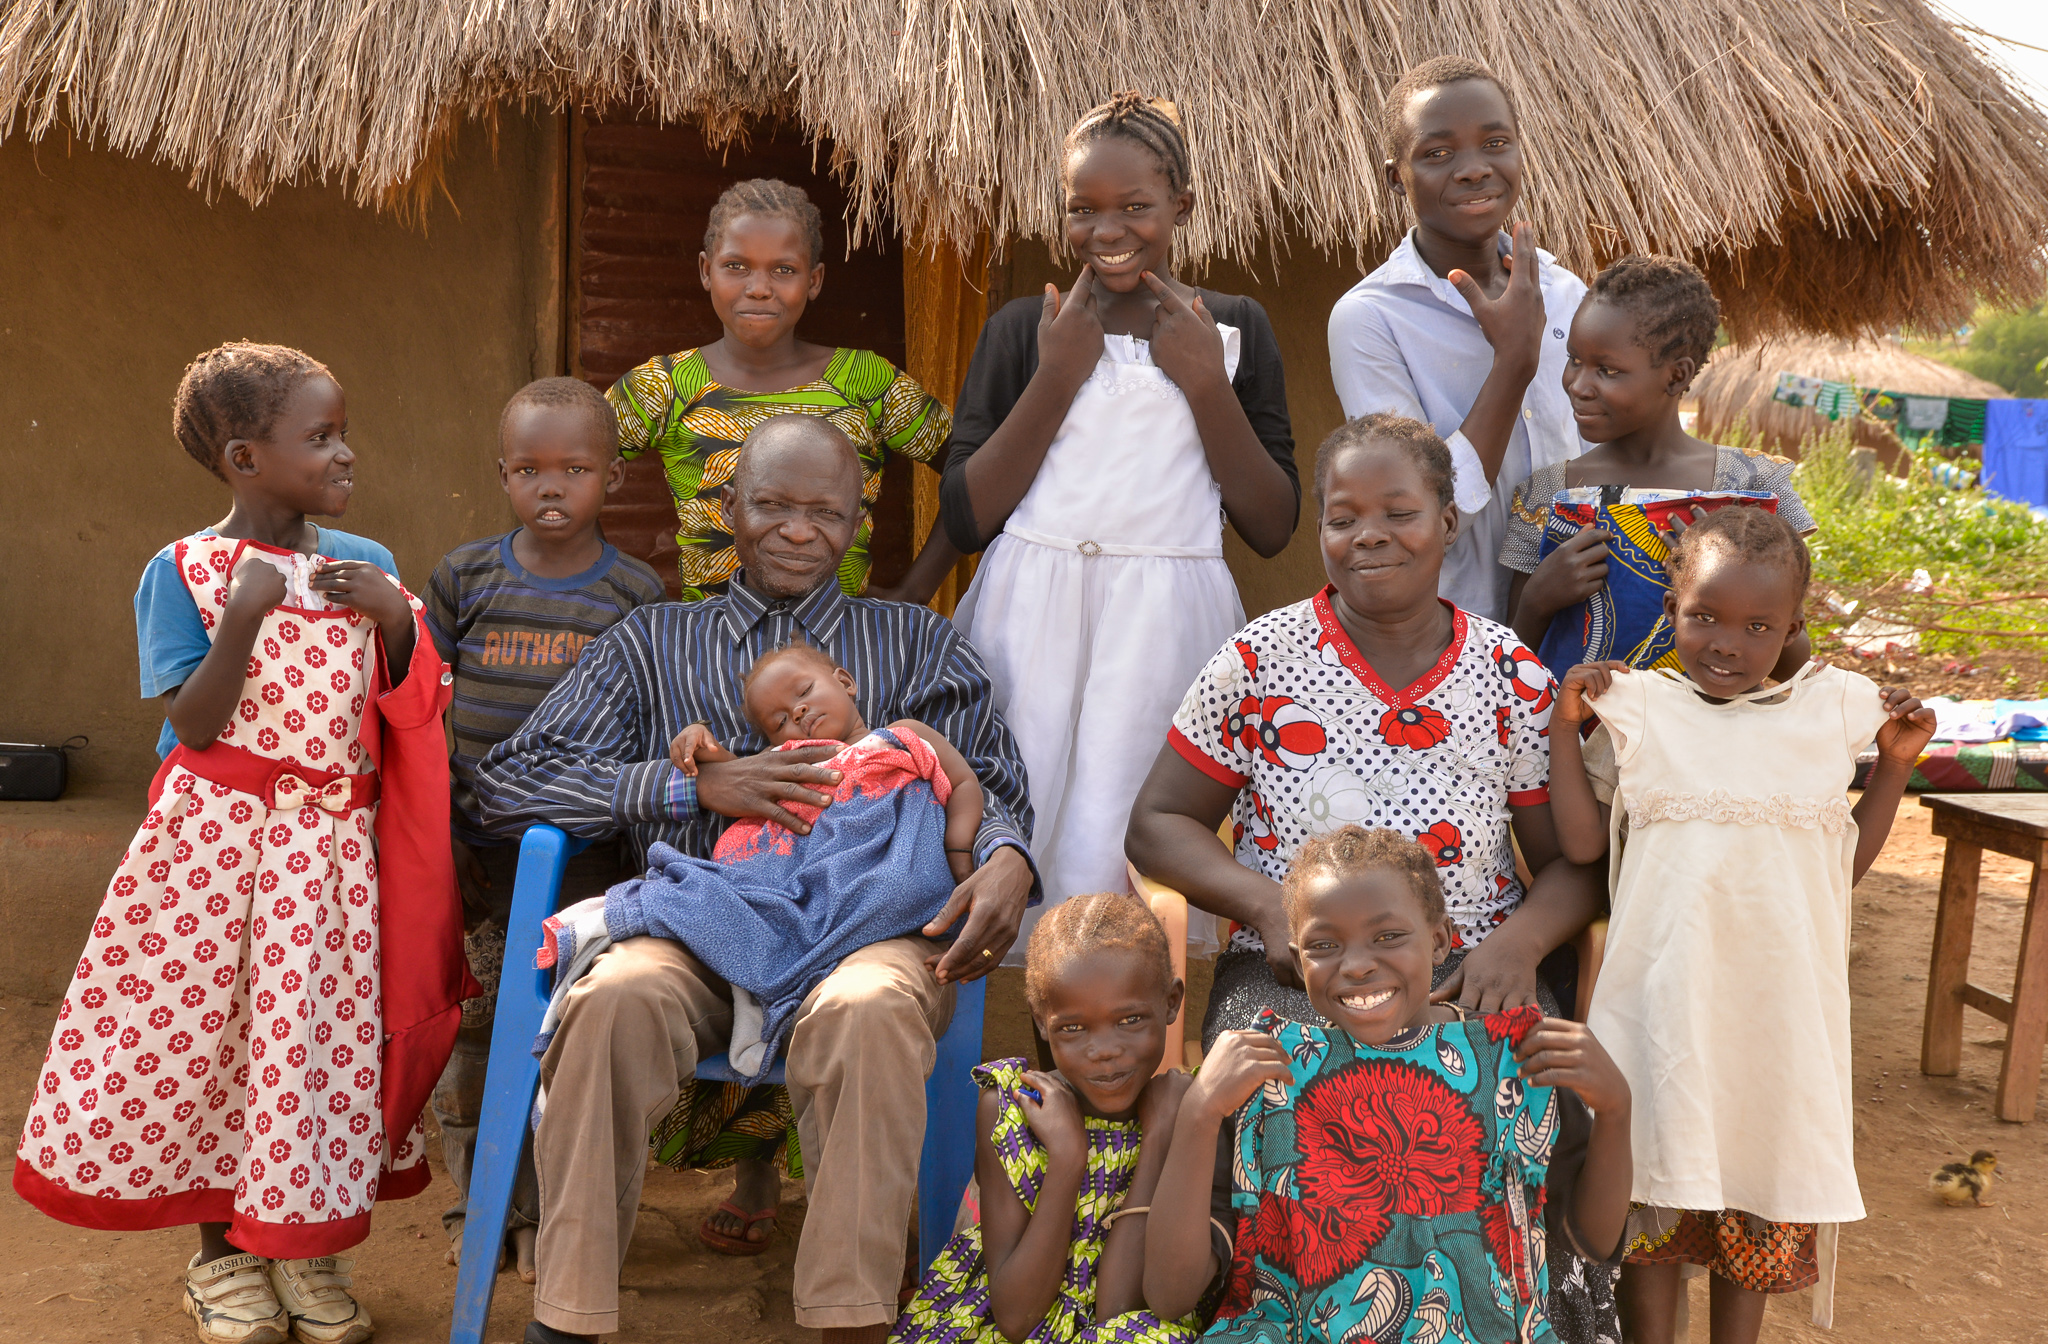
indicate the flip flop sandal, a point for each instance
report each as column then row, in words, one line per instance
column 725, row 1244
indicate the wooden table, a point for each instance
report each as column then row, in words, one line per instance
column 2008, row 823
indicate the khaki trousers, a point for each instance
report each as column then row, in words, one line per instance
column 637, row 1023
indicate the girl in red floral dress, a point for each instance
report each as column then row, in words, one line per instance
column 1403, row 1171
column 232, row 1051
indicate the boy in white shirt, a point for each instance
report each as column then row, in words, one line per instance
column 1459, row 327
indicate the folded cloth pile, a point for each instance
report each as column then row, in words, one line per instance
column 1973, row 721
column 772, row 912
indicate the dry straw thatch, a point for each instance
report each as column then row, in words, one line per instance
column 1832, row 164
column 1738, row 381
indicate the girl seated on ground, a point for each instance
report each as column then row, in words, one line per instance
column 1724, row 993
column 1068, row 1161
column 1636, row 344
column 1401, row 1171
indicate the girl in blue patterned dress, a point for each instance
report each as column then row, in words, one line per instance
column 1067, row 1161
column 1397, row 1173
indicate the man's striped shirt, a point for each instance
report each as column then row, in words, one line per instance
column 593, row 758
column 510, row 636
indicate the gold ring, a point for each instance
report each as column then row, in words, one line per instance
column 986, row 953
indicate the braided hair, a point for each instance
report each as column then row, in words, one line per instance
column 1351, row 850
column 1756, row 536
column 565, row 392
column 1099, row 921
column 1422, row 444
column 1153, row 123
column 1431, row 74
column 767, row 198
column 1674, row 307
column 236, row 391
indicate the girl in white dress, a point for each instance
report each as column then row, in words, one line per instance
column 1724, row 993
column 1100, row 440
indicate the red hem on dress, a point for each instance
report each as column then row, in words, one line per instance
column 1201, row 761
column 183, row 1208
column 1529, row 797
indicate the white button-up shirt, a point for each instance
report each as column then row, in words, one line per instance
column 1404, row 340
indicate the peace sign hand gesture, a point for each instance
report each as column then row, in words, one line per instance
column 1070, row 331
column 1512, row 323
column 1186, row 345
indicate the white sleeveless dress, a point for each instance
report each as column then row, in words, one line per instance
column 1103, row 597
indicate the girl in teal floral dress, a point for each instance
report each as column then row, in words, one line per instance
column 1067, row 1162
column 1396, row 1174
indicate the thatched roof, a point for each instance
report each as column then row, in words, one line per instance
column 1833, row 164
column 1738, row 381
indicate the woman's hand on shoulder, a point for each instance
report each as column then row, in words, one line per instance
column 1055, row 1117
column 1558, row 1052
column 1241, row 1063
column 1070, row 331
column 255, row 587
column 1909, row 726
column 1186, row 345
column 1587, row 681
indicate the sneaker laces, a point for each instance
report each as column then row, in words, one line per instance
column 233, row 1281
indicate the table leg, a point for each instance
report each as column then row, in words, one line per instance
column 1948, row 969
column 2020, row 1076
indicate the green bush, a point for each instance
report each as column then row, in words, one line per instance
column 2006, row 348
column 1987, row 557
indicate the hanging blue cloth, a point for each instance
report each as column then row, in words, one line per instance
column 2016, row 450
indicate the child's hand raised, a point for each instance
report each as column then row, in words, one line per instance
column 1513, row 323
column 361, row 586
column 1185, row 343
column 256, row 585
column 1587, row 681
column 1573, row 572
column 1910, row 727
column 1560, row 1053
column 1241, row 1063
column 1070, row 330
column 1054, row 1115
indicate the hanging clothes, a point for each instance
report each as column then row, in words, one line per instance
column 1837, row 400
column 2016, row 450
column 1964, row 427
column 1796, row 390
column 1923, row 415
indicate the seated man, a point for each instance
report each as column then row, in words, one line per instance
column 594, row 759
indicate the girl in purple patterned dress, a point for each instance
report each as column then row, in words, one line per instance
column 1067, row 1161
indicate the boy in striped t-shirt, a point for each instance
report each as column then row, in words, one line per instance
column 511, row 615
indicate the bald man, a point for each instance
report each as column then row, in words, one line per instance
column 593, row 759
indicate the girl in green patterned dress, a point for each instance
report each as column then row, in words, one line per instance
column 1067, row 1161
column 762, row 265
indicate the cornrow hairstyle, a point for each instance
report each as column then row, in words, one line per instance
column 768, row 198
column 1432, row 457
column 1675, row 309
column 569, row 392
column 1099, row 921
column 1752, row 535
column 1351, row 850
column 1431, row 74
column 1153, row 123
column 236, row 391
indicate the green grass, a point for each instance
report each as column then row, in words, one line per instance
column 1988, row 557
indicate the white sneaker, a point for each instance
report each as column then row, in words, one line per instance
column 232, row 1301
column 316, row 1297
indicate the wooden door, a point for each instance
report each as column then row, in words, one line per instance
column 643, row 195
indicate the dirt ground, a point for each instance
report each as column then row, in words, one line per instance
column 1913, row 1270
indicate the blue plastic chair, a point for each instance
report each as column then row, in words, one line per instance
column 950, row 1093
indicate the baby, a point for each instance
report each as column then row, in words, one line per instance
column 795, row 694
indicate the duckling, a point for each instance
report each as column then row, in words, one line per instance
column 1960, row 1182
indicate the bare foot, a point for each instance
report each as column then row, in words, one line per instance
column 756, row 1186
column 522, row 1250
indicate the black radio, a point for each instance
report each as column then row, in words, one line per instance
column 34, row 773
